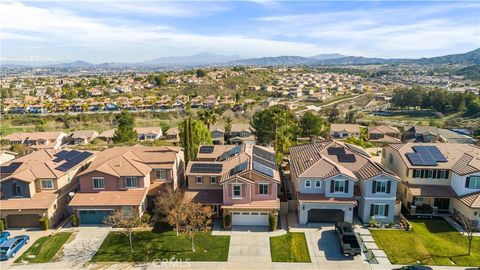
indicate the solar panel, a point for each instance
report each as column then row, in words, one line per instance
column 235, row 150
column 66, row 166
column 430, row 154
column 61, row 153
column 265, row 162
column 11, row 168
column 437, row 155
column 257, row 151
column 206, row 149
column 262, row 169
column 206, row 168
column 72, row 154
column 415, row 159
column 335, row 150
column 346, row 157
column 239, row 168
column 73, row 160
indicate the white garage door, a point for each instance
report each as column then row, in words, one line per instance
column 250, row 218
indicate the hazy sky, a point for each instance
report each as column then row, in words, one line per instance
column 129, row 31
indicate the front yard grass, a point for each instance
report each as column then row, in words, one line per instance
column 162, row 243
column 44, row 248
column 430, row 242
column 290, row 247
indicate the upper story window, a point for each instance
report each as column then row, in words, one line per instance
column 160, row 174
column 473, row 182
column 199, row 179
column 47, row 184
column 213, row 179
column 381, row 186
column 263, row 189
column 318, row 184
column 18, row 190
column 237, row 191
column 98, row 183
column 308, row 184
column 339, row 186
column 131, row 182
column 430, row 174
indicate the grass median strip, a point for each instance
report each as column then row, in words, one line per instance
column 290, row 247
column 45, row 248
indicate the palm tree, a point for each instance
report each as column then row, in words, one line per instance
column 208, row 117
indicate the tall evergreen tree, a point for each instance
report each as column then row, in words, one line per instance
column 125, row 131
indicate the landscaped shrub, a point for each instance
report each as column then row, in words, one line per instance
column 146, row 217
column 2, row 224
column 373, row 222
column 44, row 223
column 227, row 221
column 273, row 221
column 74, row 220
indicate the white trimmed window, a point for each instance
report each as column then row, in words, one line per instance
column 237, row 191
column 339, row 186
column 47, row 184
column 308, row 184
column 131, row 182
column 199, row 179
column 318, row 183
column 474, row 182
column 381, row 187
column 379, row 210
column 160, row 174
column 213, row 179
column 98, row 183
column 263, row 189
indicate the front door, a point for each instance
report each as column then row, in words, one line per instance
column 442, row 203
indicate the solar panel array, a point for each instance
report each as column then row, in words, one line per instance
column 66, row 155
column 73, row 158
column 11, row 168
column 235, row 150
column 265, row 162
column 206, row 149
column 239, row 168
column 335, row 150
column 426, row 156
column 206, row 168
column 262, row 169
column 346, row 157
column 257, row 151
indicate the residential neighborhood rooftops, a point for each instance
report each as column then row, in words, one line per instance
column 130, row 197
column 350, row 128
column 41, row 200
column 383, row 129
column 210, row 196
column 83, row 134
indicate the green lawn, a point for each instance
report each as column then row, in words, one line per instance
column 44, row 248
column 431, row 242
column 290, row 247
column 162, row 244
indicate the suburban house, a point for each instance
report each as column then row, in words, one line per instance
column 343, row 131
column 437, row 177
column 148, row 133
column 37, row 186
column 218, row 134
column 333, row 181
column 83, row 137
column 384, row 134
column 241, row 181
column 126, row 178
column 241, row 134
column 38, row 140
column 172, row 135
column 429, row 134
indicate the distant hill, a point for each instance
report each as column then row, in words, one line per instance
column 196, row 59
column 76, row 64
column 274, row 61
column 328, row 56
column 470, row 72
column 468, row 58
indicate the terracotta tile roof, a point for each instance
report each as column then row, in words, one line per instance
column 266, row 204
column 156, row 187
column 38, row 164
column 241, row 127
column 439, row 191
column 204, row 196
column 383, row 129
column 386, row 139
column 472, row 200
column 41, row 200
column 351, row 128
column 47, row 135
column 130, row 197
column 83, row 134
column 320, row 198
column 172, row 131
column 461, row 158
column 148, row 130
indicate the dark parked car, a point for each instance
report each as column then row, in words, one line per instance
column 414, row 267
column 348, row 240
column 4, row 236
column 10, row 247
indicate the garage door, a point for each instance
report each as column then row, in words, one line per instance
column 325, row 215
column 250, row 218
column 23, row 221
column 94, row 216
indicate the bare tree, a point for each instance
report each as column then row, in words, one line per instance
column 126, row 220
column 197, row 219
column 169, row 203
column 469, row 228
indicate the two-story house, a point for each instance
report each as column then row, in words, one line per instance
column 126, row 178
column 82, row 137
column 437, row 177
column 241, row 134
column 148, row 133
column 218, row 134
column 37, row 186
column 384, row 134
column 172, row 135
column 241, row 181
column 38, row 140
column 343, row 131
column 333, row 180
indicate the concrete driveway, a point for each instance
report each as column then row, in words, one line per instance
column 34, row 235
column 249, row 245
column 86, row 243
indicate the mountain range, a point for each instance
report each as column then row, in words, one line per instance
column 209, row 59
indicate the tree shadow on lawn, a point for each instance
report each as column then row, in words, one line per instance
column 429, row 259
column 437, row 225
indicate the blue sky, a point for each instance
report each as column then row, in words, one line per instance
column 130, row 31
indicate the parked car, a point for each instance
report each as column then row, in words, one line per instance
column 348, row 240
column 414, row 267
column 4, row 236
column 10, row 247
